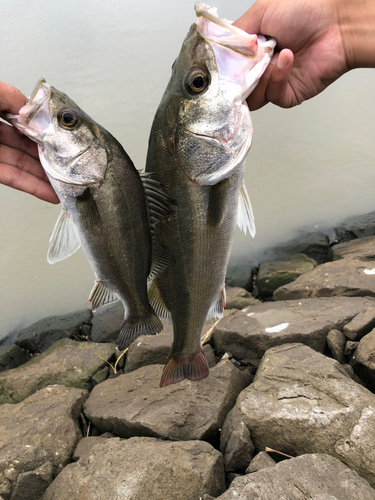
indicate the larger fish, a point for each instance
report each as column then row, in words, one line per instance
column 104, row 204
column 199, row 141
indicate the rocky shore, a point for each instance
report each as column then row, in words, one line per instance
column 288, row 411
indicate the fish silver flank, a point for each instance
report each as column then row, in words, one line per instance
column 104, row 205
column 199, row 140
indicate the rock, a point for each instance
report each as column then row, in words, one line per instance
column 209, row 355
column 261, row 461
column 302, row 402
column 240, row 273
column 149, row 350
column 12, row 356
column 364, row 356
column 360, row 325
column 66, row 362
column 100, row 376
column 32, row 484
column 41, row 335
column 84, row 446
column 315, row 476
column 361, row 249
column 106, row 323
column 239, row 449
column 153, row 349
column 134, row 405
column 347, row 277
column 239, row 298
column 36, row 434
column 142, row 469
column 356, row 227
column 350, row 347
column 248, row 334
column 314, row 245
column 275, row 273
column 336, row 342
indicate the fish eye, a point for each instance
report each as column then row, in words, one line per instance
column 196, row 81
column 68, row 118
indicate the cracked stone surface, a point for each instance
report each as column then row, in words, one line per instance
column 261, row 461
column 66, row 362
column 315, row 476
column 131, row 469
column 302, row 402
column 345, row 278
column 133, row 404
column 358, row 226
column 249, row 333
column 42, row 428
column 336, row 341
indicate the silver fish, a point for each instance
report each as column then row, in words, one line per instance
column 199, row 140
column 104, row 205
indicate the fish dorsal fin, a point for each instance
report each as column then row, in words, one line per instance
column 157, row 302
column 245, row 216
column 158, row 202
column 64, row 239
column 216, row 310
column 101, row 295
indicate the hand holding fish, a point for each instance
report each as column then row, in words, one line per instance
column 20, row 167
column 319, row 41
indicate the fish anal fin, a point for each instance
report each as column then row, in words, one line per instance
column 157, row 302
column 217, row 308
column 64, row 239
column 160, row 261
column 245, row 216
column 133, row 328
column 101, row 295
column 195, row 368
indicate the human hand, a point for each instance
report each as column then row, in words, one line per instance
column 20, row 167
column 313, row 52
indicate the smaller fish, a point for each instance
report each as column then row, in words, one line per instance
column 108, row 207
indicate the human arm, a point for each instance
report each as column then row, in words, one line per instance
column 318, row 41
column 20, row 167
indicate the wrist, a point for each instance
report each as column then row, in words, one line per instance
column 357, row 25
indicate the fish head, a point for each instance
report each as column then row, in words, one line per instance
column 207, row 119
column 70, row 143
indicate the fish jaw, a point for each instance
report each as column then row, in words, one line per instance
column 36, row 105
column 241, row 57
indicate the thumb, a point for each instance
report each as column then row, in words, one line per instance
column 11, row 99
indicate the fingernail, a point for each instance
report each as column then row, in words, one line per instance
column 274, row 59
column 282, row 62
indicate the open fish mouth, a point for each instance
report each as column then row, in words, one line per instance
column 40, row 94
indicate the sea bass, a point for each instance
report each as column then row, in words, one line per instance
column 103, row 201
column 199, row 140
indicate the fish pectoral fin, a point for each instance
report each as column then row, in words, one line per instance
column 158, row 202
column 64, row 239
column 245, row 216
column 131, row 329
column 194, row 368
column 160, row 261
column 217, row 308
column 101, row 295
column 157, row 302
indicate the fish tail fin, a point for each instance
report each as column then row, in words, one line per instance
column 195, row 368
column 133, row 328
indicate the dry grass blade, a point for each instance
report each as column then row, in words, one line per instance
column 279, row 452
